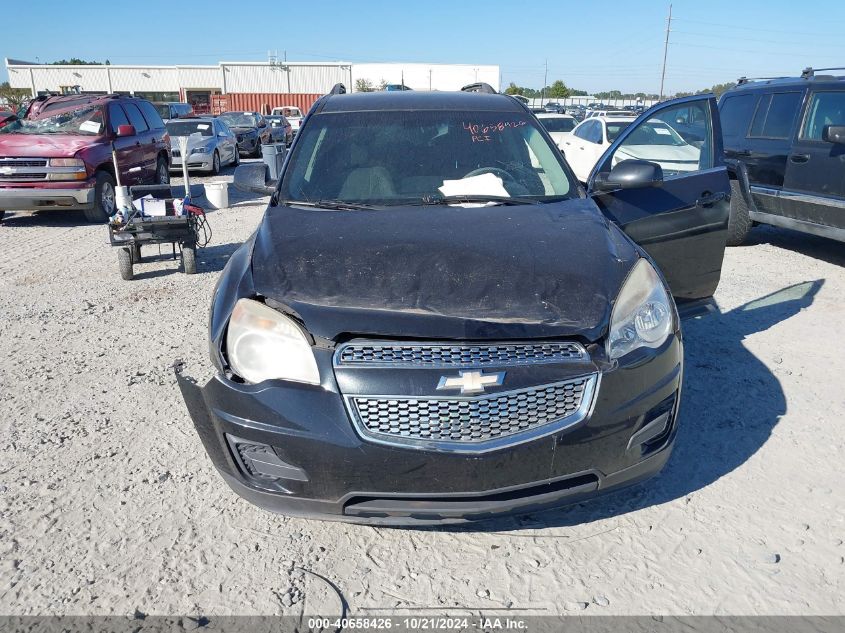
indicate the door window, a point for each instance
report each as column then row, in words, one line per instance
column 151, row 115
column 135, row 117
column 775, row 115
column 659, row 142
column 117, row 117
column 735, row 113
column 826, row 108
column 581, row 131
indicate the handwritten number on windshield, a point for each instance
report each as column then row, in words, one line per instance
column 482, row 132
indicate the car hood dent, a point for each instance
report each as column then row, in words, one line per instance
column 444, row 272
column 44, row 145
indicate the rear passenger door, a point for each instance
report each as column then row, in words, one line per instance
column 814, row 188
column 682, row 223
column 769, row 143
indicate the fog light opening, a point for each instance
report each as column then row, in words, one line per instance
column 259, row 463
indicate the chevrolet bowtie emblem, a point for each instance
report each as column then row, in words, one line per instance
column 471, row 381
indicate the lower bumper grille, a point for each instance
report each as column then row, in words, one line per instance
column 474, row 422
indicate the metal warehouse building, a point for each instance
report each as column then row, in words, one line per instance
column 256, row 86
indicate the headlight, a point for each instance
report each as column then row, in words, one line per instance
column 66, row 169
column 262, row 344
column 642, row 316
column 203, row 150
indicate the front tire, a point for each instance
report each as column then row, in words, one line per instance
column 162, row 172
column 189, row 258
column 215, row 163
column 124, row 260
column 104, row 199
column 739, row 223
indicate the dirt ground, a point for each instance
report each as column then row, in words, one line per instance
column 109, row 505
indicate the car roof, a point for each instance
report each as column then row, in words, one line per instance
column 553, row 115
column 808, row 77
column 417, row 100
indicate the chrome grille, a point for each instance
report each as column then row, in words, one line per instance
column 460, row 423
column 463, row 355
column 23, row 162
column 16, row 177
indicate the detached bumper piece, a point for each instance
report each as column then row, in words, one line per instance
column 368, row 445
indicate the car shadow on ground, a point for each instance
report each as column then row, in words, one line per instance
column 822, row 248
column 731, row 402
column 210, row 259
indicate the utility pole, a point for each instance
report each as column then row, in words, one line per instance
column 665, row 52
column 545, row 82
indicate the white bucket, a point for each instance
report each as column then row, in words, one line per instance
column 121, row 198
column 217, row 194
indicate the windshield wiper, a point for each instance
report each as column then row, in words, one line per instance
column 470, row 199
column 330, row 204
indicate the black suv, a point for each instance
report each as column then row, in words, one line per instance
column 434, row 321
column 785, row 148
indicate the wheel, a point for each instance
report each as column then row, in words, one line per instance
column 189, row 259
column 740, row 222
column 104, row 199
column 124, row 260
column 136, row 253
column 2, row 213
column 215, row 163
column 162, row 172
column 237, row 159
column 257, row 151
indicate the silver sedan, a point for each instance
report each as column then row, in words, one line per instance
column 211, row 144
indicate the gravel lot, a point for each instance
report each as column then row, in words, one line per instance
column 108, row 503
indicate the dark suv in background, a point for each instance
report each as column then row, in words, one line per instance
column 784, row 144
column 60, row 155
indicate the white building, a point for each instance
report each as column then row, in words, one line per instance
column 240, row 85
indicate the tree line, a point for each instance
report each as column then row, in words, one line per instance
column 559, row 90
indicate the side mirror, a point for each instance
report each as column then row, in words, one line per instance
column 126, row 130
column 630, row 174
column 834, row 134
column 252, row 177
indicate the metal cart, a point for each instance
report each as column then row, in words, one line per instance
column 137, row 231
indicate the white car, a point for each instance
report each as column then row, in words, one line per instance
column 588, row 141
column 617, row 113
column 658, row 142
column 559, row 126
column 292, row 114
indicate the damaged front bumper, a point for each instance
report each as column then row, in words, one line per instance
column 293, row 449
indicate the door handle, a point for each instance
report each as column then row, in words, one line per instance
column 708, row 198
column 799, row 159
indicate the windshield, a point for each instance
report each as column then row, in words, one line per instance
column 238, row 119
column 401, row 157
column 554, row 124
column 614, row 128
column 87, row 121
column 186, row 128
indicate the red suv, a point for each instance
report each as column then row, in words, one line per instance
column 59, row 155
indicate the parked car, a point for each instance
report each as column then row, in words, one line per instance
column 577, row 112
column 60, row 155
column 553, row 106
column 292, row 114
column 559, row 126
column 784, row 145
column 251, row 130
column 546, row 365
column 396, row 87
column 173, row 110
column 589, row 141
column 211, row 144
column 281, row 130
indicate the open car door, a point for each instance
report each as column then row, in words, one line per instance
column 671, row 193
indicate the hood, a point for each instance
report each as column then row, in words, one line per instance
column 193, row 141
column 502, row 272
column 44, row 145
column 242, row 130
